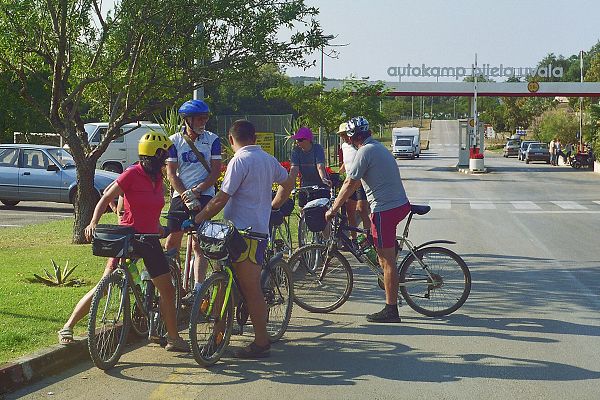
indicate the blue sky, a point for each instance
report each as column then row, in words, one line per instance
column 383, row 33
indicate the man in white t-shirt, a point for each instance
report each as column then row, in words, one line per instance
column 357, row 202
column 246, row 198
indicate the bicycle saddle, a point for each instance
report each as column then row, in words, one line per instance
column 419, row 210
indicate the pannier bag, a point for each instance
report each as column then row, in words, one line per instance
column 112, row 240
column 220, row 240
column 287, row 208
column 276, row 218
column 314, row 214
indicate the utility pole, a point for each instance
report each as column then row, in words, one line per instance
column 199, row 92
column 581, row 103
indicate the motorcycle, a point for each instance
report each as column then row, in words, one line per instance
column 581, row 160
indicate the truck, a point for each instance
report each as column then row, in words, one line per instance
column 123, row 151
column 406, row 142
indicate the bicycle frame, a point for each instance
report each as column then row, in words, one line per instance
column 339, row 232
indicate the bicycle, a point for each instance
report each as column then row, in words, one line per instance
column 219, row 298
column 433, row 280
column 111, row 314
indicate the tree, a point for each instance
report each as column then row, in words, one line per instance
column 560, row 123
column 137, row 59
column 318, row 108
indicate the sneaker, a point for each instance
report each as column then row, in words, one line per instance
column 179, row 345
column 385, row 315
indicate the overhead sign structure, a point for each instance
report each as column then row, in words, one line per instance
column 488, row 89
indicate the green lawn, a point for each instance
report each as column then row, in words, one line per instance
column 32, row 313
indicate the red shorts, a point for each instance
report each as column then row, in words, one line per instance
column 384, row 224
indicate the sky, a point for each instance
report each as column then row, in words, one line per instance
column 378, row 34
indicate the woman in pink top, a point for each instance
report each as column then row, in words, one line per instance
column 142, row 189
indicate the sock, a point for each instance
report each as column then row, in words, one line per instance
column 391, row 307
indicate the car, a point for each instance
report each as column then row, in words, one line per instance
column 511, row 148
column 537, row 152
column 31, row 172
column 523, row 147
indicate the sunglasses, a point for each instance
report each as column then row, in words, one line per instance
column 300, row 140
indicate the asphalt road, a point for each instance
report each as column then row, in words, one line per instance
column 34, row 212
column 529, row 330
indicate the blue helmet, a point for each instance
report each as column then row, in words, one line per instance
column 357, row 125
column 193, row 107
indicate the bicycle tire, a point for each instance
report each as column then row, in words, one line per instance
column 203, row 321
column 306, row 236
column 283, row 238
column 436, row 298
column 161, row 328
column 279, row 296
column 328, row 294
column 106, row 335
column 139, row 320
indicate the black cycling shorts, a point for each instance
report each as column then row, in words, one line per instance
column 177, row 204
column 359, row 194
column 151, row 251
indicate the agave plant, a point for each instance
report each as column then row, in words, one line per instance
column 60, row 277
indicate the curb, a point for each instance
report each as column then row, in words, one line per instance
column 40, row 364
column 472, row 172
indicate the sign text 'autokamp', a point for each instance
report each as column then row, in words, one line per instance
column 487, row 70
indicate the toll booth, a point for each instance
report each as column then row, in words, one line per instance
column 464, row 142
column 470, row 141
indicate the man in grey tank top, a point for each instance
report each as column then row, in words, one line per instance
column 376, row 168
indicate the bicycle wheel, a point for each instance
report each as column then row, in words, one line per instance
column 210, row 325
column 159, row 327
column 306, row 236
column 109, row 320
column 283, row 238
column 139, row 320
column 279, row 294
column 316, row 294
column 441, row 292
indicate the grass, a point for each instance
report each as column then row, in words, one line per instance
column 32, row 313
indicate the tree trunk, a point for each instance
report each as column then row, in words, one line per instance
column 85, row 200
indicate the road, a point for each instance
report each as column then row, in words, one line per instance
column 529, row 330
column 34, row 212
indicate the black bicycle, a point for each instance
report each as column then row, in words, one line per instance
column 434, row 281
column 111, row 312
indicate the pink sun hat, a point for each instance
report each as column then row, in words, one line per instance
column 303, row 133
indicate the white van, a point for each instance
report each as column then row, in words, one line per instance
column 123, row 151
column 406, row 142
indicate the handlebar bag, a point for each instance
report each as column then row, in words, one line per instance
column 112, row 240
column 314, row 214
column 220, row 240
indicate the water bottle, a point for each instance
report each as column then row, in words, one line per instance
column 371, row 254
column 135, row 273
column 367, row 249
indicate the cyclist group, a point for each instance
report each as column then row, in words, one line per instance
column 193, row 165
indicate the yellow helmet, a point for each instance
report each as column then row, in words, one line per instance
column 343, row 129
column 151, row 142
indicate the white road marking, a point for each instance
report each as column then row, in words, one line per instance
column 569, row 205
column 525, row 205
column 482, row 205
column 440, row 204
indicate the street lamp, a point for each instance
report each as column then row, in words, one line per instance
column 326, row 39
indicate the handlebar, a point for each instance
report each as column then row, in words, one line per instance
column 307, row 189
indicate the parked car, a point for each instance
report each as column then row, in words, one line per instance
column 41, row 173
column 511, row 148
column 537, row 152
column 523, row 147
